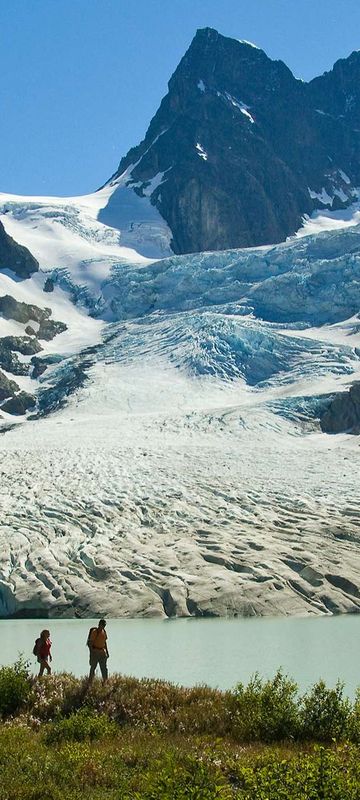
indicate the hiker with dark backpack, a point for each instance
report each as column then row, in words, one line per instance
column 42, row 650
column 99, row 654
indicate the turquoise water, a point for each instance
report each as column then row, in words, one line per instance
column 217, row 652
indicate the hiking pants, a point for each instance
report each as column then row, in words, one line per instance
column 98, row 657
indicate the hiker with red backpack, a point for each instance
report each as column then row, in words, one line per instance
column 42, row 650
column 99, row 654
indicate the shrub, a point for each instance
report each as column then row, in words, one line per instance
column 15, row 687
column 57, row 695
column 325, row 713
column 158, row 706
column 354, row 722
column 189, row 779
column 321, row 774
column 83, row 725
column 265, row 710
column 141, row 765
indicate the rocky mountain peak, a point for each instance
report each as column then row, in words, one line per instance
column 337, row 92
column 225, row 63
column 239, row 149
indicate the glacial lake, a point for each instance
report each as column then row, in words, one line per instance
column 218, row 652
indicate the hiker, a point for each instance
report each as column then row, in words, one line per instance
column 99, row 654
column 42, row 650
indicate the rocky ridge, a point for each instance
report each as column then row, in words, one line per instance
column 240, row 150
column 15, row 257
column 343, row 414
column 18, row 352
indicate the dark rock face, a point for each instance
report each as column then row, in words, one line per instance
column 38, row 367
column 15, row 257
column 21, row 344
column 23, row 312
column 50, row 328
column 10, row 346
column 337, row 93
column 7, row 387
column 48, row 285
column 238, row 141
column 19, row 404
column 29, row 345
column 343, row 414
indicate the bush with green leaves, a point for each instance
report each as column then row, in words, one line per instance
column 57, row 696
column 318, row 774
column 265, row 711
column 325, row 714
column 182, row 778
column 354, row 722
column 83, row 725
column 15, row 687
column 261, row 711
column 143, row 765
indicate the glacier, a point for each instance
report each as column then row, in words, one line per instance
column 174, row 463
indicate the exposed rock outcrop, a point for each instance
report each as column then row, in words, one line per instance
column 39, row 367
column 343, row 414
column 49, row 285
column 240, row 150
column 10, row 346
column 42, row 328
column 7, row 387
column 50, row 328
column 15, row 257
column 23, row 312
column 19, row 404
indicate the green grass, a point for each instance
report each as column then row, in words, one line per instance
column 150, row 740
column 134, row 765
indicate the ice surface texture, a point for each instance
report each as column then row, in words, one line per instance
column 174, row 463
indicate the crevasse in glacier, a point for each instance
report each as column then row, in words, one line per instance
column 175, row 448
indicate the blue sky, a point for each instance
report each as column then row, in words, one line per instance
column 81, row 79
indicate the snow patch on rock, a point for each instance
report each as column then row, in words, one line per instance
column 201, row 152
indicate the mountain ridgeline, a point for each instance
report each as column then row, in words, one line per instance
column 240, row 150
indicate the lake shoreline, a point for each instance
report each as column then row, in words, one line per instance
column 215, row 652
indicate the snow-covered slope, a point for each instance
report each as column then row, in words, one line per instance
column 67, row 231
column 326, row 220
column 183, row 469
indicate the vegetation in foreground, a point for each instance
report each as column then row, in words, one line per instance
column 150, row 740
